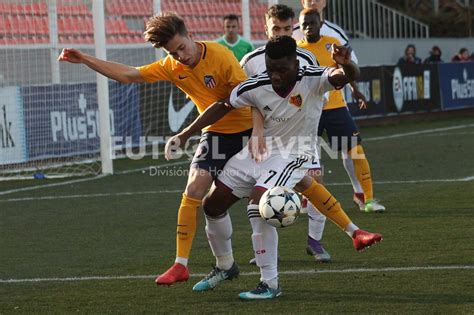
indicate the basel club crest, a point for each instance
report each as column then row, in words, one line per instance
column 209, row 81
column 296, row 100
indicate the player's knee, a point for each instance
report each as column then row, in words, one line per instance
column 304, row 183
column 196, row 189
column 212, row 207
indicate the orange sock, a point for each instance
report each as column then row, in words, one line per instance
column 362, row 171
column 186, row 229
column 327, row 204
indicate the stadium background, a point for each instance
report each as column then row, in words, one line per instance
column 94, row 244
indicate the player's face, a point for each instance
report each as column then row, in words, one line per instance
column 183, row 49
column 231, row 28
column 314, row 4
column 282, row 72
column 275, row 27
column 310, row 24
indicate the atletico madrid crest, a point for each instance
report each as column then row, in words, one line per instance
column 209, row 81
column 296, row 100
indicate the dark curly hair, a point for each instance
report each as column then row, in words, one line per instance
column 280, row 12
column 280, row 47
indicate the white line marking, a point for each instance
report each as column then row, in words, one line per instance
column 255, row 273
column 415, row 181
column 11, row 191
column 449, row 134
column 126, row 193
column 415, row 133
column 135, row 170
column 74, row 181
column 154, row 192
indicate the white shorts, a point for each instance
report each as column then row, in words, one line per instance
column 241, row 173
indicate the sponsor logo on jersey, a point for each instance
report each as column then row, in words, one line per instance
column 279, row 119
column 267, row 108
column 182, row 77
column 209, row 81
column 328, row 47
column 296, row 100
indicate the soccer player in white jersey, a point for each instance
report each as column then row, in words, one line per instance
column 279, row 22
column 339, row 124
column 290, row 98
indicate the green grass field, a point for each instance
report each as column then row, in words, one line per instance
column 96, row 246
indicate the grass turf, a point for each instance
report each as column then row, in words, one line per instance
column 426, row 224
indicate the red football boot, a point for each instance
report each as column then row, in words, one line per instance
column 176, row 273
column 363, row 239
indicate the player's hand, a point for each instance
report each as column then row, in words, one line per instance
column 360, row 98
column 341, row 54
column 257, row 148
column 173, row 144
column 71, row 55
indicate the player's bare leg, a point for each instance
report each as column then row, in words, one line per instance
column 330, row 207
column 199, row 181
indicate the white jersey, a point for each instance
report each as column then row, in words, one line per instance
column 253, row 63
column 327, row 29
column 290, row 123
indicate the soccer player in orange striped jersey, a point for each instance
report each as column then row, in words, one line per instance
column 336, row 119
column 207, row 72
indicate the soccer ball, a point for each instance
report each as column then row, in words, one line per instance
column 280, row 206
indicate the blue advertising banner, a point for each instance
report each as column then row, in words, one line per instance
column 12, row 128
column 457, row 85
column 63, row 120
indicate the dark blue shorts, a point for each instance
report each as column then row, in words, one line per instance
column 340, row 127
column 215, row 149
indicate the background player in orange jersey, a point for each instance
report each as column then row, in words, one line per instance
column 207, row 72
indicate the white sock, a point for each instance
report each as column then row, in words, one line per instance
column 316, row 222
column 349, row 166
column 350, row 228
column 181, row 260
column 219, row 232
column 225, row 262
column 265, row 244
column 272, row 283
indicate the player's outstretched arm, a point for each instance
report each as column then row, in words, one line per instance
column 113, row 70
column 212, row 114
column 358, row 96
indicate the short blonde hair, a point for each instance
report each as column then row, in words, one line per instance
column 160, row 29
